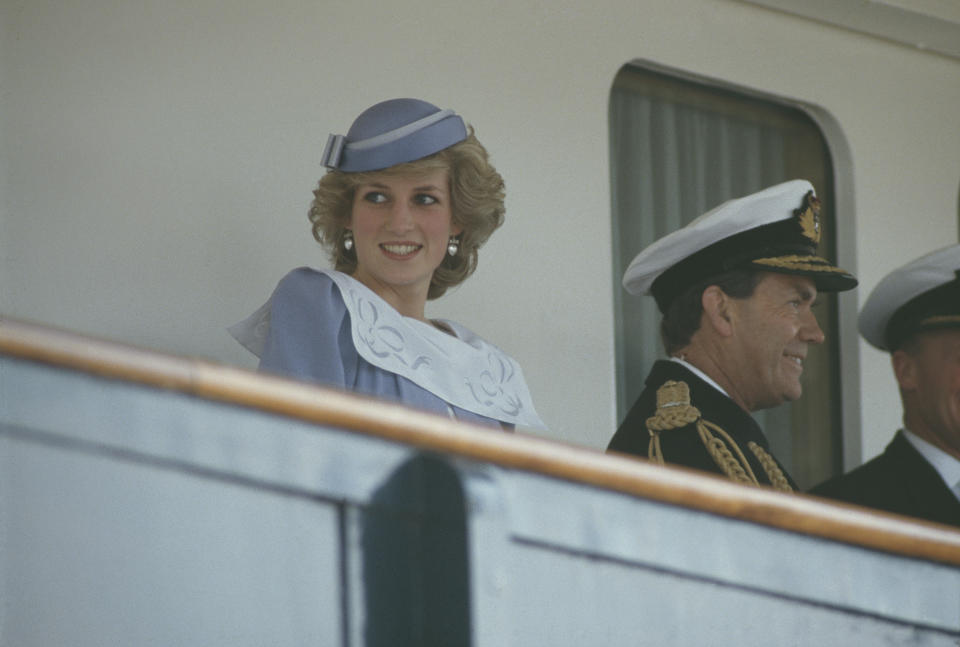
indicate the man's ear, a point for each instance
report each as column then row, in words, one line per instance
column 904, row 369
column 717, row 313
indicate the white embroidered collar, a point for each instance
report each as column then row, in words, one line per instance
column 465, row 370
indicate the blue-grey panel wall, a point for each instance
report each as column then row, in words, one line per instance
column 629, row 571
column 101, row 551
column 136, row 516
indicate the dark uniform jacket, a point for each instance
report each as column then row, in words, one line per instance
column 683, row 446
column 899, row 480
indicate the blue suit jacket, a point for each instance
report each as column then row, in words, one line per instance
column 899, row 480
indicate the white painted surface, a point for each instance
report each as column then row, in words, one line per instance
column 157, row 158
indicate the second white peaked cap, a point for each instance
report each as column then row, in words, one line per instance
column 922, row 295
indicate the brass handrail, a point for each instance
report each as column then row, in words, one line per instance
column 673, row 485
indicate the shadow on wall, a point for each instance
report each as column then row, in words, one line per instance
column 415, row 568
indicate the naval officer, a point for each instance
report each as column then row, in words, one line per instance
column 914, row 314
column 735, row 288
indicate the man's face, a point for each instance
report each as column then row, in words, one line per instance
column 771, row 333
column 929, row 376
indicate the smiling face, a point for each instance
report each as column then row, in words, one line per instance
column 771, row 332
column 928, row 372
column 401, row 227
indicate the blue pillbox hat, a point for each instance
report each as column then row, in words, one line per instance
column 393, row 132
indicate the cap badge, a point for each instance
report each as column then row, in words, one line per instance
column 809, row 217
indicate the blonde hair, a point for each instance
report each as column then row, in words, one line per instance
column 476, row 205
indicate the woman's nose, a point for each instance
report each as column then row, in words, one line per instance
column 401, row 218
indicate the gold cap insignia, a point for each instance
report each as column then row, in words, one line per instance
column 809, row 218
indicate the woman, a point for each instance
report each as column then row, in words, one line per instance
column 409, row 199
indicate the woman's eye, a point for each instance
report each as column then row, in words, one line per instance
column 425, row 199
column 375, row 197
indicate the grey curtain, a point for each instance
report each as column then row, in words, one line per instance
column 677, row 150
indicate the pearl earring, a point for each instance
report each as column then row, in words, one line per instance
column 348, row 240
column 453, row 246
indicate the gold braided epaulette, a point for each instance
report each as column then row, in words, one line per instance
column 673, row 407
column 674, row 411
